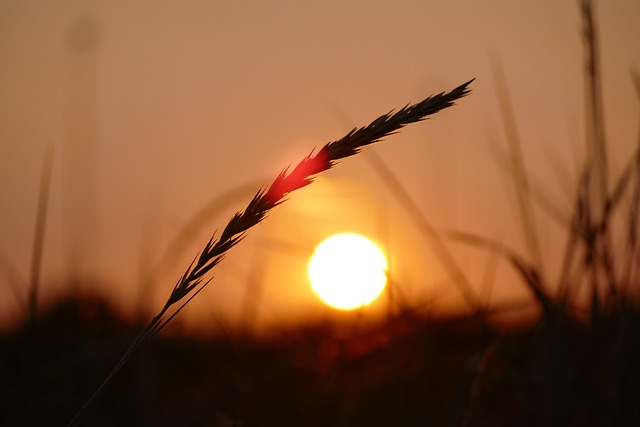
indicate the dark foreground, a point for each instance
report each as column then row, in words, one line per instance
column 408, row 372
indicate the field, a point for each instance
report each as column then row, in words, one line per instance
column 79, row 361
column 407, row 371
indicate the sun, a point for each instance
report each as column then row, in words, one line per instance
column 347, row 271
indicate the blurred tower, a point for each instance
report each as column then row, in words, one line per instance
column 81, row 161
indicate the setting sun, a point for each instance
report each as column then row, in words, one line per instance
column 347, row 271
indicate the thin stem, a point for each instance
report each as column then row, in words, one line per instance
column 193, row 280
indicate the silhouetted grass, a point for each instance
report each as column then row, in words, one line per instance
column 577, row 364
column 195, row 278
column 411, row 370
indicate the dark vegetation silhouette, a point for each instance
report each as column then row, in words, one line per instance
column 574, row 365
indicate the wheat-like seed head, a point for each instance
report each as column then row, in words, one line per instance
column 290, row 180
column 193, row 279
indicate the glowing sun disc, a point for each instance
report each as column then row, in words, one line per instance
column 347, row 271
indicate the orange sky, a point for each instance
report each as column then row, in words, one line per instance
column 156, row 108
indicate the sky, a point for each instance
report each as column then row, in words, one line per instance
column 159, row 112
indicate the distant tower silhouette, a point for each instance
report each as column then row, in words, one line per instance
column 81, row 161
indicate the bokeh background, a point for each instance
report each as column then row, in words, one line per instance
column 167, row 114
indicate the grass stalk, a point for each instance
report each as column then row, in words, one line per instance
column 193, row 280
column 632, row 250
column 518, row 169
column 596, row 142
column 457, row 275
column 34, row 285
column 185, row 236
column 41, row 221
